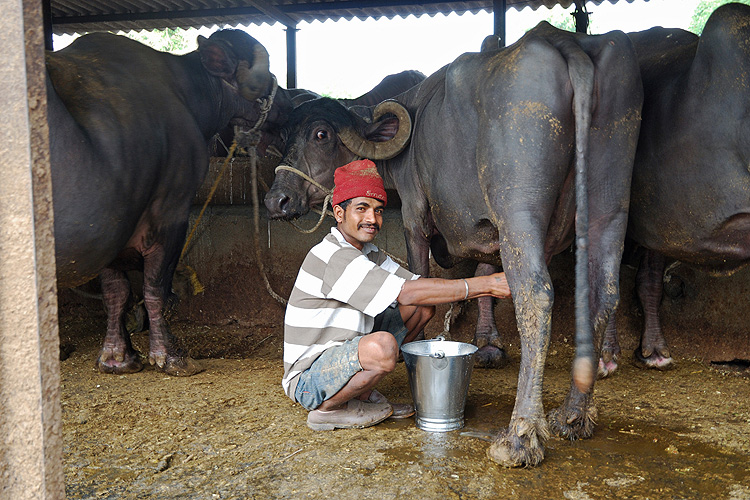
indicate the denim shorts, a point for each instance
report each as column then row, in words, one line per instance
column 337, row 365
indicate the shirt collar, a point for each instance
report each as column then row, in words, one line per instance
column 366, row 248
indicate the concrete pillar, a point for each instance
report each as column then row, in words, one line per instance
column 30, row 415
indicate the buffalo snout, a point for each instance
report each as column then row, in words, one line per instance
column 281, row 205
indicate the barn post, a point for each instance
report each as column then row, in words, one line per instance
column 30, row 412
column 498, row 9
column 47, row 20
column 581, row 16
column 291, row 57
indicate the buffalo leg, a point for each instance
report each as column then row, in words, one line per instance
column 417, row 245
column 613, row 134
column 522, row 443
column 576, row 418
column 165, row 351
column 491, row 353
column 117, row 355
column 610, row 350
column 653, row 351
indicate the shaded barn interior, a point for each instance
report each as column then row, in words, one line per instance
column 703, row 316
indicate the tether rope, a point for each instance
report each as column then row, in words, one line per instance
column 265, row 104
column 324, row 211
column 326, row 201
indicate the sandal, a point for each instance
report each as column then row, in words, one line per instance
column 357, row 415
column 400, row 410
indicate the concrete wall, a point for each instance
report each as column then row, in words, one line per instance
column 706, row 318
column 31, row 448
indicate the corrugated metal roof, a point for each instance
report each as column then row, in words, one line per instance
column 80, row 16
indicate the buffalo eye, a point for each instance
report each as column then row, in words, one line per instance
column 321, row 135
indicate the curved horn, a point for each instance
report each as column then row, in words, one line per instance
column 253, row 81
column 380, row 150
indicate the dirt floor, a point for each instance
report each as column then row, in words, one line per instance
column 231, row 433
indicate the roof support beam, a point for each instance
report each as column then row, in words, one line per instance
column 581, row 16
column 291, row 38
column 291, row 57
column 47, row 24
column 498, row 8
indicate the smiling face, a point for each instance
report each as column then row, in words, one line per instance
column 361, row 221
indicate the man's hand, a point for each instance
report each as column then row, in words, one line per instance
column 499, row 286
column 433, row 291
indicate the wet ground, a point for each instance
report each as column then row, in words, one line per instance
column 231, row 433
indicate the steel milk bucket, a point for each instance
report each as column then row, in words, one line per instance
column 439, row 371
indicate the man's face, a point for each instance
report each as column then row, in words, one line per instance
column 361, row 221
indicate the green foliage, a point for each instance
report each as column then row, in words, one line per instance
column 562, row 20
column 703, row 11
column 167, row 40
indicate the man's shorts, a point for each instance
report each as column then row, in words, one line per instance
column 337, row 365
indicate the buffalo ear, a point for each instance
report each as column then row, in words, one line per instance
column 382, row 130
column 217, row 58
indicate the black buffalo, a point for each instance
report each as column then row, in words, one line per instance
column 489, row 174
column 690, row 197
column 388, row 87
column 129, row 128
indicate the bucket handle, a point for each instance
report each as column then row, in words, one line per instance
column 438, row 354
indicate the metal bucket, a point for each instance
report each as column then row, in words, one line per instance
column 439, row 371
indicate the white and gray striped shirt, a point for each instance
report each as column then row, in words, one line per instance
column 338, row 292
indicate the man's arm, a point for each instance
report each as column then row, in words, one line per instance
column 434, row 291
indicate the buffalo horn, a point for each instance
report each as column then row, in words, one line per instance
column 253, row 81
column 380, row 150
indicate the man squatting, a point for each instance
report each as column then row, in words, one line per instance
column 352, row 307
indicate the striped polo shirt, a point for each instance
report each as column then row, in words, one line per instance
column 338, row 292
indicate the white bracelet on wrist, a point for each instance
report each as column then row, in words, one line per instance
column 466, row 284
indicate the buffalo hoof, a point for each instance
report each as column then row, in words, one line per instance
column 118, row 363
column 572, row 422
column 656, row 361
column 178, row 366
column 608, row 362
column 606, row 368
column 490, row 356
column 512, row 450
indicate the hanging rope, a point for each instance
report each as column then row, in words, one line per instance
column 256, row 223
column 265, row 104
column 195, row 283
column 325, row 211
column 208, row 198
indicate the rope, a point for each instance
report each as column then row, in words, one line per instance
column 253, row 138
column 326, row 201
column 324, row 211
column 208, row 198
column 256, row 223
column 304, row 176
column 265, row 104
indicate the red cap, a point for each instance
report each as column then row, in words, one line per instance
column 358, row 178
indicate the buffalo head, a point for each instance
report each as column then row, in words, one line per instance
column 322, row 135
column 238, row 59
column 243, row 64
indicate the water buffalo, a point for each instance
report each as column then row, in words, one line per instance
column 388, row 87
column 690, row 198
column 129, row 128
column 489, row 172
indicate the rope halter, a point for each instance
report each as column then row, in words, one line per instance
column 326, row 201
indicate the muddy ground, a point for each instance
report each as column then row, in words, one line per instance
column 230, row 432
